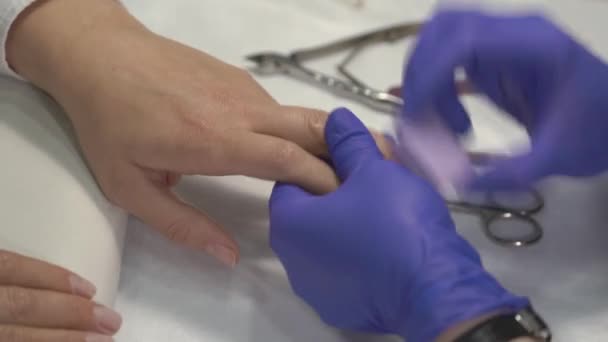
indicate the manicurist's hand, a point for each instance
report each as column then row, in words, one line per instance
column 40, row 302
column 529, row 68
column 380, row 253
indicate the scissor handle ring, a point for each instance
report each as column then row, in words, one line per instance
column 537, row 205
column 533, row 236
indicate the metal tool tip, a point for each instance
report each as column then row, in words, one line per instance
column 266, row 62
column 256, row 58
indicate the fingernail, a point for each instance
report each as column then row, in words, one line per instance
column 108, row 321
column 223, row 254
column 98, row 338
column 82, row 287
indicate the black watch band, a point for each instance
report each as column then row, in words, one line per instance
column 504, row 328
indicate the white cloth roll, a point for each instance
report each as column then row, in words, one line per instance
column 51, row 207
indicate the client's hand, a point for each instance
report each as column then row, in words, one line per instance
column 40, row 302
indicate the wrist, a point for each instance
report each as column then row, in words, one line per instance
column 460, row 292
column 460, row 328
column 51, row 41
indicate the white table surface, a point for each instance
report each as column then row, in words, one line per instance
column 169, row 294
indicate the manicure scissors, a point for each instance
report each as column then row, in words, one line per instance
column 350, row 86
column 493, row 214
column 513, row 209
column 490, row 210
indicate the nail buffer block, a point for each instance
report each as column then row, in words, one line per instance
column 431, row 150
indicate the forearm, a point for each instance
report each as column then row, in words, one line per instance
column 47, row 42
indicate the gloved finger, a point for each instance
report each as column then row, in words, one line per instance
column 15, row 333
column 350, row 143
column 303, row 126
column 284, row 201
column 22, row 271
column 451, row 109
column 49, row 309
column 159, row 207
column 510, row 69
column 521, row 171
column 515, row 173
column 445, row 43
column 289, row 194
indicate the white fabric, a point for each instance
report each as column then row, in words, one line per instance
column 9, row 11
column 171, row 294
column 50, row 206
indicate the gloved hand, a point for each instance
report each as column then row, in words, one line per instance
column 529, row 68
column 381, row 253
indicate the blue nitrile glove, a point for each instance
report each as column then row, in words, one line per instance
column 380, row 254
column 529, row 68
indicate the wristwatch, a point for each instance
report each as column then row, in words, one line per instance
column 507, row 327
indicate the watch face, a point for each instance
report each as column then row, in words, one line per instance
column 505, row 328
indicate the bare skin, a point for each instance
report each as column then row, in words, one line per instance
column 147, row 110
column 40, row 302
